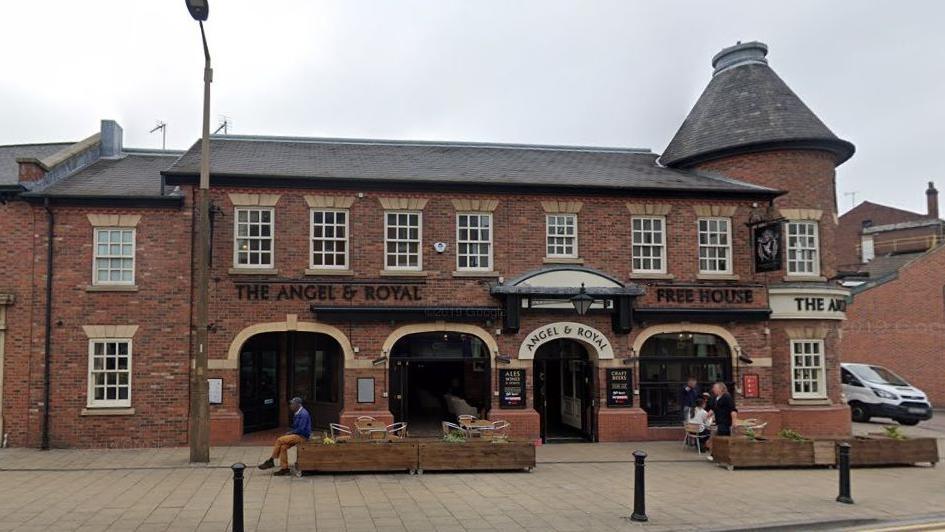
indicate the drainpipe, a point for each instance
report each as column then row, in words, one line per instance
column 44, row 445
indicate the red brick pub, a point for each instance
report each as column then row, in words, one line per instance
column 568, row 290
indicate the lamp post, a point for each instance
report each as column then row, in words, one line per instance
column 199, row 434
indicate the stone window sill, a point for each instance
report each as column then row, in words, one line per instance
column 643, row 275
column 717, row 277
column 253, row 271
column 93, row 411
column 473, row 273
column 563, row 260
column 801, row 278
column 328, row 271
column 810, row 402
column 112, row 288
column 403, row 273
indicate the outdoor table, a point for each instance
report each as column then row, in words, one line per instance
column 368, row 428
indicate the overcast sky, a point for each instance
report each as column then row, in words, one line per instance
column 588, row 72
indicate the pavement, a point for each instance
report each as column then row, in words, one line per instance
column 574, row 487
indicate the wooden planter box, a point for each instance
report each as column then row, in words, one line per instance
column 877, row 450
column 737, row 451
column 357, row 456
column 476, row 456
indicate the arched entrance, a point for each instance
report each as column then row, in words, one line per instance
column 436, row 376
column 276, row 366
column 668, row 359
column 563, row 378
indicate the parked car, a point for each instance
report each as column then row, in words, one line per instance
column 875, row 391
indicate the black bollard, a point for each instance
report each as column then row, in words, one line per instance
column 238, row 496
column 843, row 463
column 639, row 490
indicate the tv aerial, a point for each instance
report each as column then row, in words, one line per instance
column 163, row 127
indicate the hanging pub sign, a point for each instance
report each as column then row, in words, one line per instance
column 619, row 390
column 512, row 388
column 768, row 251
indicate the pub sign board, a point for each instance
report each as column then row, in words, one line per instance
column 619, row 388
column 512, row 388
column 768, row 251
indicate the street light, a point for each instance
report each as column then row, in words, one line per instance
column 582, row 302
column 199, row 434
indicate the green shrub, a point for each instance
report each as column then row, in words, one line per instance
column 792, row 435
column 894, row 432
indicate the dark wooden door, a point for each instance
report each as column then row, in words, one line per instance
column 259, row 389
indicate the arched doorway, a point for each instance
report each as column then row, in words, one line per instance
column 563, row 378
column 437, row 376
column 668, row 359
column 276, row 366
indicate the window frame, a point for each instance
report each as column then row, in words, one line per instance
column 575, row 253
column 728, row 247
column 815, row 261
column 96, row 256
column 489, row 242
column 236, row 237
column 311, row 239
column 419, row 266
column 820, row 371
column 90, row 401
column 662, row 246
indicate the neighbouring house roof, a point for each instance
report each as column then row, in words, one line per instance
column 851, row 224
column 886, row 268
column 10, row 169
column 353, row 161
column 137, row 174
column 747, row 107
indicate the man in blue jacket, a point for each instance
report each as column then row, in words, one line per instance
column 300, row 432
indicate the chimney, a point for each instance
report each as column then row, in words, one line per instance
column 931, row 198
column 111, row 139
column 741, row 54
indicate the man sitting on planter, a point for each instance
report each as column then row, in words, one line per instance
column 301, row 431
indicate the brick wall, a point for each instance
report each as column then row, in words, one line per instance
column 900, row 324
column 160, row 308
column 851, row 226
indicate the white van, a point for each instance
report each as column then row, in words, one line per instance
column 874, row 391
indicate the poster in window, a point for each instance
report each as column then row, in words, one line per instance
column 512, row 388
column 768, row 249
column 619, row 388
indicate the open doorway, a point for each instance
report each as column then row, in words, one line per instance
column 274, row 367
column 436, row 377
column 564, row 385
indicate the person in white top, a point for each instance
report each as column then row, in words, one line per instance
column 702, row 417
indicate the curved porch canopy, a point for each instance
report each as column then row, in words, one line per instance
column 553, row 287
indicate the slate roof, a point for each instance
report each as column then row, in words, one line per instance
column 10, row 169
column 744, row 108
column 136, row 174
column 356, row 160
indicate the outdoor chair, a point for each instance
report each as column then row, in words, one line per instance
column 339, row 432
column 694, row 436
column 366, row 418
column 397, row 431
column 497, row 428
column 465, row 418
column 453, row 427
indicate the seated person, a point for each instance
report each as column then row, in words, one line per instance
column 301, row 431
column 698, row 415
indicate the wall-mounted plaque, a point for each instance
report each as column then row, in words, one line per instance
column 215, row 391
column 512, row 388
column 619, row 388
column 366, row 389
column 750, row 385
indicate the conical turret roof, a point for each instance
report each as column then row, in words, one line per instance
column 748, row 108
